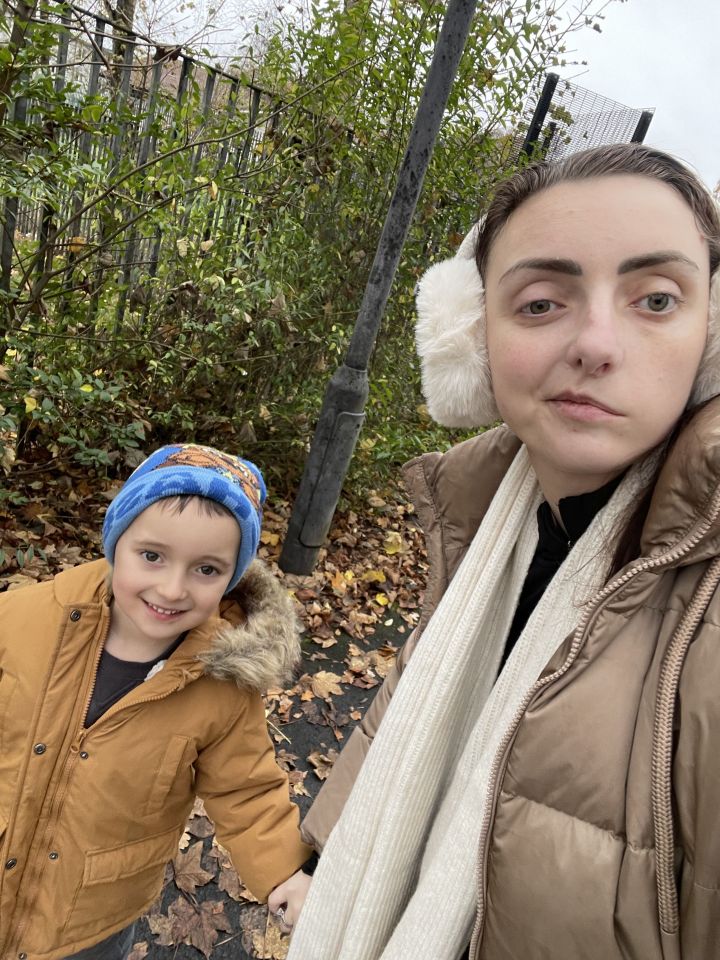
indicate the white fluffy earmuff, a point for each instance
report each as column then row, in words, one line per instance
column 450, row 336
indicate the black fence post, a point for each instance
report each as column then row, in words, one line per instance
column 342, row 412
column 538, row 118
column 642, row 127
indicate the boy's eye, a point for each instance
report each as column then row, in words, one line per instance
column 151, row 556
column 207, row 570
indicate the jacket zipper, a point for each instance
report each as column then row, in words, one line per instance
column 501, row 756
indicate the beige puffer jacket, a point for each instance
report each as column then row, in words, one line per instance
column 90, row 816
column 569, row 861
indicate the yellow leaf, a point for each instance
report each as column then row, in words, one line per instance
column 76, row 244
column 373, row 576
column 30, row 404
column 271, row 539
column 86, row 388
column 213, row 190
column 206, row 245
column 393, row 543
column 381, row 599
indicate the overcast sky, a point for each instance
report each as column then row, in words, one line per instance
column 663, row 54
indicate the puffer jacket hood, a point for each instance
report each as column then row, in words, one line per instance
column 260, row 651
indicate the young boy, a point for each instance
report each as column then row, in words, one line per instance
column 126, row 690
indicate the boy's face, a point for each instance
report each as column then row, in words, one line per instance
column 170, row 572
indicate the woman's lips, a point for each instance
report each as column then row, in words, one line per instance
column 579, row 407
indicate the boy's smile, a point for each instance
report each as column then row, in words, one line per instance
column 171, row 570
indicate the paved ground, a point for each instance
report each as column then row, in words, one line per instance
column 305, row 737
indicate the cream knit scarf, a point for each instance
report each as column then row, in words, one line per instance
column 398, row 877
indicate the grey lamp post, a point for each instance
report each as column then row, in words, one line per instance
column 343, row 409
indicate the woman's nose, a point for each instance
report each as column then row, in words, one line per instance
column 596, row 344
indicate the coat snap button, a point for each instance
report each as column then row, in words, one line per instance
column 54, row 855
column 84, row 754
column 39, row 749
column 75, row 616
column 22, row 956
column 12, row 862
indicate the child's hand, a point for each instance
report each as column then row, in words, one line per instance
column 287, row 899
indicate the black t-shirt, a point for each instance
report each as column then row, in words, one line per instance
column 116, row 677
column 554, row 544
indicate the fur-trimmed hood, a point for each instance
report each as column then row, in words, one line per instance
column 261, row 649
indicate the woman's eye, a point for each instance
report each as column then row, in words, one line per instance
column 658, row 302
column 538, row 308
column 151, row 556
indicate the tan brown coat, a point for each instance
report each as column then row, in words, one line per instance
column 89, row 817
column 568, row 863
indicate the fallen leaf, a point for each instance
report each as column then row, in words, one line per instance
column 394, row 543
column 198, row 925
column 139, row 950
column 325, row 684
column 188, row 873
column 270, row 944
column 322, row 763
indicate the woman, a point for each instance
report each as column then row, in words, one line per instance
column 545, row 781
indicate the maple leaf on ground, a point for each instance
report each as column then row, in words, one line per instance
column 324, row 684
column 188, row 873
column 262, row 937
column 228, row 880
column 162, row 927
column 198, row 925
column 323, row 763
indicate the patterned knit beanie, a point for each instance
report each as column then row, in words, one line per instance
column 189, row 469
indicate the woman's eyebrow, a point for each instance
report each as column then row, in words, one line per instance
column 554, row 264
column 655, row 260
column 573, row 268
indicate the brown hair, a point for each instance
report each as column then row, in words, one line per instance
column 615, row 159
column 209, row 507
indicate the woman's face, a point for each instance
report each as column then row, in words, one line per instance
column 597, row 297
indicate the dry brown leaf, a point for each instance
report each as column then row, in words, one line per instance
column 198, row 925
column 323, row 763
column 270, row 944
column 162, row 927
column 324, row 684
column 139, row 950
column 188, row 873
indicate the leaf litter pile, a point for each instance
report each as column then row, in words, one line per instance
column 358, row 606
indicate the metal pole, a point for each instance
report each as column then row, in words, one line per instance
column 342, row 412
column 538, row 118
column 642, row 126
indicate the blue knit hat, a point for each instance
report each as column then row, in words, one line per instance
column 187, row 468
